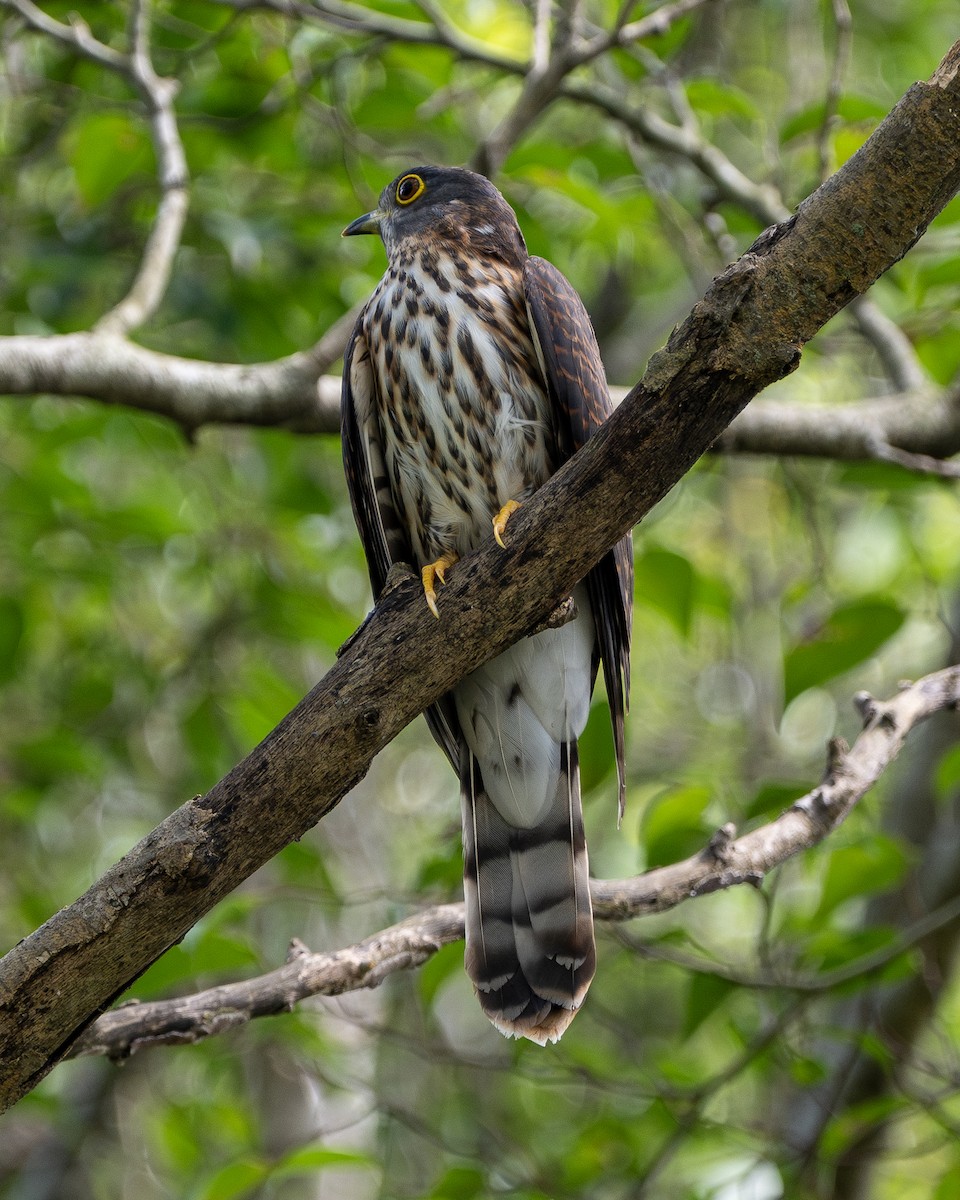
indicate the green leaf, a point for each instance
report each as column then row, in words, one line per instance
column 107, row 149
column 666, row 581
column 709, row 96
column 11, row 631
column 307, row 1159
column 438, row 969
column 775, row 798
column 673, row 827
column 946, row 777
column 849, row 108
column 862, row 870
column 459, row 1183
column 849, row 635
column 949, row 1186
column 235, row 1179
column 807, row 1072
column 705, row 995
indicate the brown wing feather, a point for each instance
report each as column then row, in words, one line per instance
column 384, row 538
column 363, row 461
column 575, row 378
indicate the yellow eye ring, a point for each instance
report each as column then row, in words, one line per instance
column 409, row 188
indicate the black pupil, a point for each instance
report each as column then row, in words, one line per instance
column 408, row 189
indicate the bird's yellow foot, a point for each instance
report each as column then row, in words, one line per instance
column 501, row 519
column 435, row 572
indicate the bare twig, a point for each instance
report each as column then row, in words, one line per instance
column 725, row 862
column 893, row 347
column 775, row 979
column 541, row 38
column 158, row 94
column 367, row 22
column 843, row 27
column 552, row 60
column 654, row 24
column 76, row 35
column 923, row 464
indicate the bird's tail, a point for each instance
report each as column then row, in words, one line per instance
column 530, row 948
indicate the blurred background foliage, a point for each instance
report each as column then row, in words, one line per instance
column 164, row 601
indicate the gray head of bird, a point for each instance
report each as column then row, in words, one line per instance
column 450, row 205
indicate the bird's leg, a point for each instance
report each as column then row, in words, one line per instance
column 501, row 519
column 435, row 571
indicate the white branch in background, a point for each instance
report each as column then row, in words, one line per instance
column 290, row 392
column 76, row 35
column 157, row 94
column 726, row 861
column 917, row 430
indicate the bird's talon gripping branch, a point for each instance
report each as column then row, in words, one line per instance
column 432, row 574
column 501, row 519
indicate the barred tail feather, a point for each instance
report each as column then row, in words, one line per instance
column 530, row 948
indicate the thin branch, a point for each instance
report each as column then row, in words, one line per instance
column 917, row 430
column 76, row 35
column 843, row 31
column 761, row 201
column 723, row 863
column 773, row 979
column 158, row 94
column 626, row 33
column 290, row 392
column 923, row 464
column 353, row 18
column 541, row 38
column 893, row 347
column 550, row 63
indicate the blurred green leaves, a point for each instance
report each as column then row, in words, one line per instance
column 849, row 635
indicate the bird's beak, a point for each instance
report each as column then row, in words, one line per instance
column 368, row 223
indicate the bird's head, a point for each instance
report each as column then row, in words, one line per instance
column 449, row 204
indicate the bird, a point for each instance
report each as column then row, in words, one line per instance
column 471, row 375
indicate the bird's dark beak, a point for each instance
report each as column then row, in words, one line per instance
column 368, row 223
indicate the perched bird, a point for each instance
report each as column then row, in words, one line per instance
column 472, row 374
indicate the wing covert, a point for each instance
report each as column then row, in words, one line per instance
column 363, row 463
column 573, row 370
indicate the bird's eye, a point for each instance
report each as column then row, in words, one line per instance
column 409, row 188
